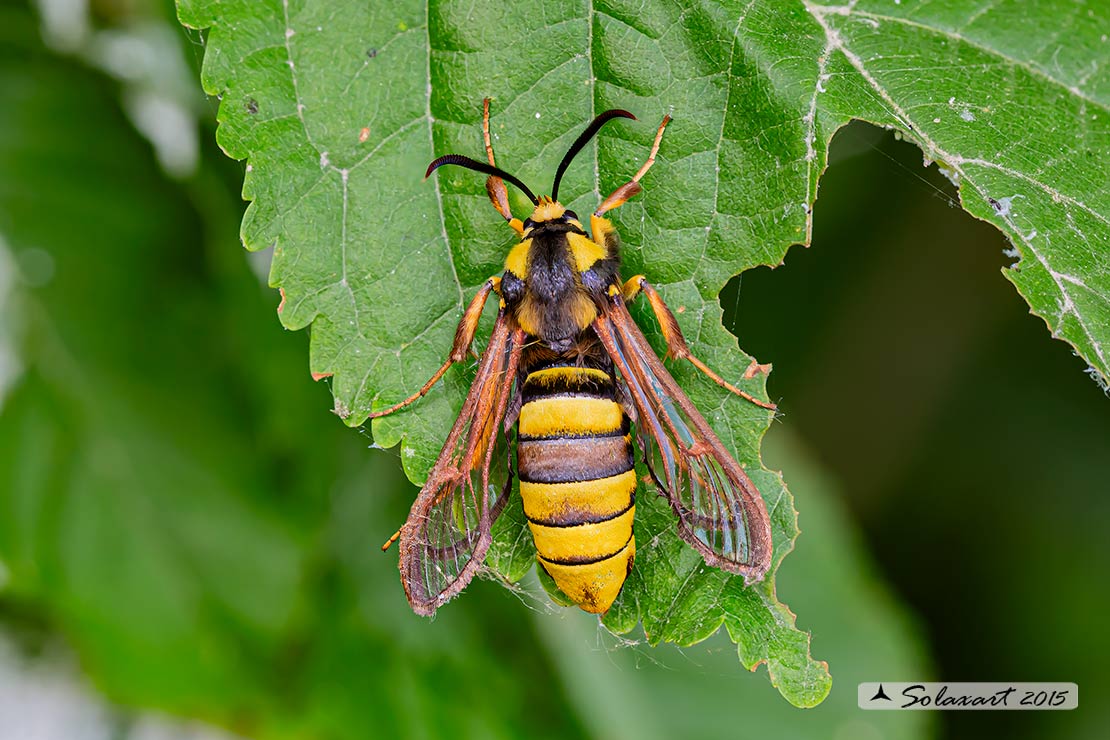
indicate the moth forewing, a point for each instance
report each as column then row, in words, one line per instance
column 719, row 509
column 447, row 533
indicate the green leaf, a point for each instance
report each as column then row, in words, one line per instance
column 339, row 106
column 1019, row 123
column 512, row 553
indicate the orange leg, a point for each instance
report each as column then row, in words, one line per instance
column 393, row 538
column 495, row 186
column 632, row 187
column 601, row 227
column 464, row 336
column 676, row 343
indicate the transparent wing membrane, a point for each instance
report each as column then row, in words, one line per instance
column 720, row 512
column 447, row 534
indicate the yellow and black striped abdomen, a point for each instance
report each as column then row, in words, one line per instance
column 578, row 482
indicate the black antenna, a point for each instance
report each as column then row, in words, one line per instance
column 473, row 164
column 581, row 141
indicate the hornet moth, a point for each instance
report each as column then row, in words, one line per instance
column 569, row 374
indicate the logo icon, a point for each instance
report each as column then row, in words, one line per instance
column 880, row 694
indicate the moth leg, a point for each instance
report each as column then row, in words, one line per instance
column 676, row 343
column 464, row 336
column 392, row 538
column 632, row 187
column 495, row 186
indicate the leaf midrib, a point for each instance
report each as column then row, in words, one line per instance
column 956, row 35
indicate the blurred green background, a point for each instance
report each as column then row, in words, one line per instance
column 189, row 539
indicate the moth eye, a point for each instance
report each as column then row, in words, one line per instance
column 512, row 287
column 571, row 214
column 528, row 224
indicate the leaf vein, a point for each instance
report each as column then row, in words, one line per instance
column 432, row 147
column 955, row 34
